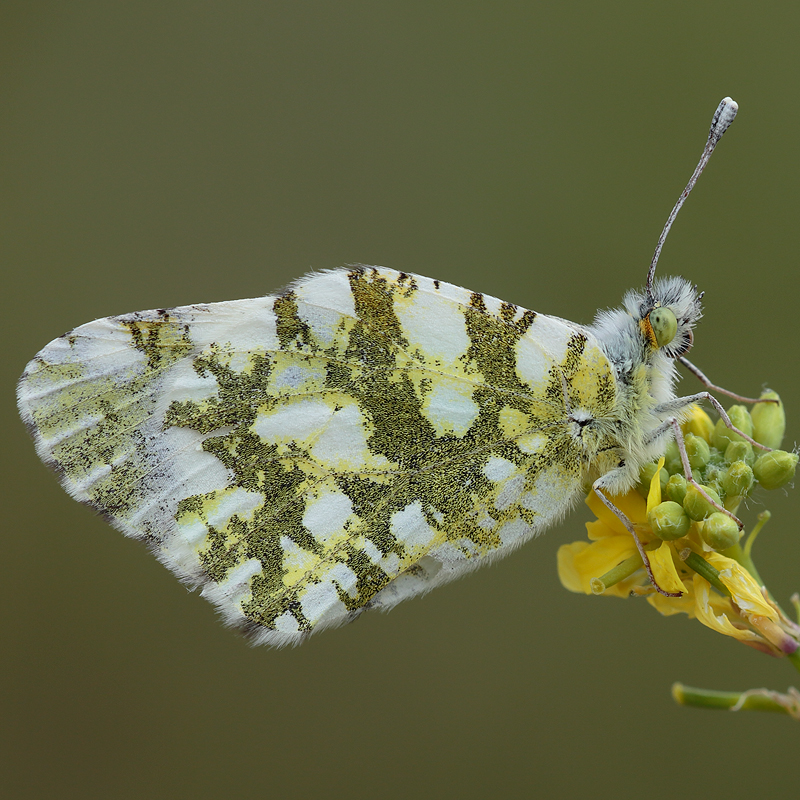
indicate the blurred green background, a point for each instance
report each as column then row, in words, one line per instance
column 163, row 153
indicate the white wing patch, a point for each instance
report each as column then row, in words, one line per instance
column 449, row 406
column 328, row 515
column 440, row 338
column 535, row 354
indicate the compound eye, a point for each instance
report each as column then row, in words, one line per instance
column 664, row 325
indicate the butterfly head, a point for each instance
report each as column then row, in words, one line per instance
column 666, row 315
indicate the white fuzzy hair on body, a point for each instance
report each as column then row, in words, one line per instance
column 645, row 375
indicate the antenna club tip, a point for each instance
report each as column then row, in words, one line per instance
column 723, row 116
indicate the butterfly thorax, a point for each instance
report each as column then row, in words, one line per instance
column 644, row 372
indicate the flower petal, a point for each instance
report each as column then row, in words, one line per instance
column 579, row 562
column 654, row 494
column 631, row 504
column 667, row 606
column 664, row 568
column 568, row 573
column 598, row 530
column 720, row 623
column 698, row 423
column 742, row 586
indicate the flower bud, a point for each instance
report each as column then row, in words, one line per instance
column 696, row 506
column 720, row 532
column 769, row 421
column 676, row 489
column 697, row 450
column 775, row 469
column 669, row 521
column 672, row 459
column 646, row 475
column 737, row 480
column 722, row 435
column 740, row 451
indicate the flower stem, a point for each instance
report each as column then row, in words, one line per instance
column 763, row 519
column 705, row 570
column 752, row 700
column 617, row 574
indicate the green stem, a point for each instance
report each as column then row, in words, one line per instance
column 705, row 570
column 763, row 519
column 754, row 700
column 617, row 574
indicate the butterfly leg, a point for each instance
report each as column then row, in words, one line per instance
column 687, row 471
column 672, row 422
column 680, row 403
column 701, row 376
column 598, row 490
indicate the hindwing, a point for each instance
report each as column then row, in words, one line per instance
column 356, row 440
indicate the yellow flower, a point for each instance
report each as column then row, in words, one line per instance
column 610, row 545
column 722, row 595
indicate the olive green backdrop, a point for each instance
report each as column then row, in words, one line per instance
column 162, row 153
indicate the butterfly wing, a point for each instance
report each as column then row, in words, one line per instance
column 355, row 441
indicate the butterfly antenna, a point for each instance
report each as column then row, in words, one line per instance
column 723, row 116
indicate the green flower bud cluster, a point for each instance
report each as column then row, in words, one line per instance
column 727, row 467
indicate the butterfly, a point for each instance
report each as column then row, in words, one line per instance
column 359, row 438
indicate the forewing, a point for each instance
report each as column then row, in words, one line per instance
column 347, row 444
